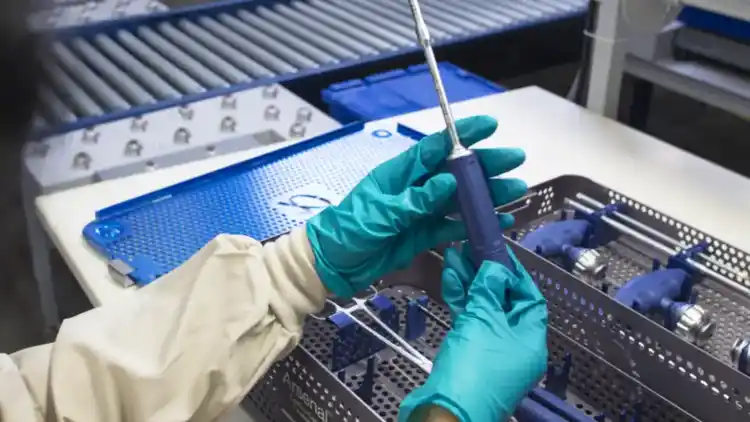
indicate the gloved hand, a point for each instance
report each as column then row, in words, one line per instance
column 399, row 209
column 497, row 350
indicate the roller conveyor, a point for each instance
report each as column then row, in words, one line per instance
column 123, row 68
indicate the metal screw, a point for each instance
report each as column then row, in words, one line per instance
column 228, row 124
column 82, row 161
column 181, row 136
column 694, row 324
column 133, row 148
column 271, row 91
column 186, row 112
column 304, row 114
column 588, row 262
column 139, row 124
column 272, row 113
column 297, row 130
column 90, row 136
column 229, row 102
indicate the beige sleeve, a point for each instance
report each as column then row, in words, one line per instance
column 187, row 347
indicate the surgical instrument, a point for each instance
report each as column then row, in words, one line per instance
column 653, row 232
column 426, row 363
column 475, row 201
column 439, row 321
column 726, row 282
column 565, row 239
column 403, row 348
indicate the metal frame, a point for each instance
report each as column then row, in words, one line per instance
column 614, row 39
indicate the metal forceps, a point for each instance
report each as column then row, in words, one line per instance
column 401, row 346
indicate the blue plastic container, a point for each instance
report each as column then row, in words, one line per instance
column 715, row 23
column 401, row 91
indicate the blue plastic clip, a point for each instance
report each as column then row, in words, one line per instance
column 416, row 320
column 635, row 416
column 655, row 265
column 600, row 418
column 365, row 389
column 387, row 311
column 680, row 259
column 347, row 345
column 352, row 343
column 558, row 377
column 600, row 233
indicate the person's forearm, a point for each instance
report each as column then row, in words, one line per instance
column 187, row 347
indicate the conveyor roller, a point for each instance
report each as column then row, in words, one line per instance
column 128, row 67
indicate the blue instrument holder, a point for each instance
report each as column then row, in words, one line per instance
column 262, row 198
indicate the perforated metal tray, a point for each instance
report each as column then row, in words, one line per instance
column 621, row 359
column 300, row 388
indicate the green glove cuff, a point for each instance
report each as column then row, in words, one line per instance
column 333, row 282
column 419, row 401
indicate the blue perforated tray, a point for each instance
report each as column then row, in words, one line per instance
column 262, row 198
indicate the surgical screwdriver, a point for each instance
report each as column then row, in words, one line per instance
column 474, row 199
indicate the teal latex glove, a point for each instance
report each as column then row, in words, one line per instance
column 399, row 209
column 497, row 350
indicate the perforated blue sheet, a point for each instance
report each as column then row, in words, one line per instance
column 262, row 198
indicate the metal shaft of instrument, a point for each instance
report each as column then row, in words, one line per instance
column 726, row 282
column 656, row 233
column 439, row 321
column 417, row 359
column 423, row 35
column 362, row 304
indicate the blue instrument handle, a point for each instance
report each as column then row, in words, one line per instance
column 531, row 411
column 478, row 212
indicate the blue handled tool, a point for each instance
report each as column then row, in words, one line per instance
column 558, row 406
column 562, row 239
column 474, row 198
column 668, row 292
column 531, row 411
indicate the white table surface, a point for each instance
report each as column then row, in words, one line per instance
column 558, row 136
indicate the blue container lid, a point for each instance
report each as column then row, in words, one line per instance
column 402, row 91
